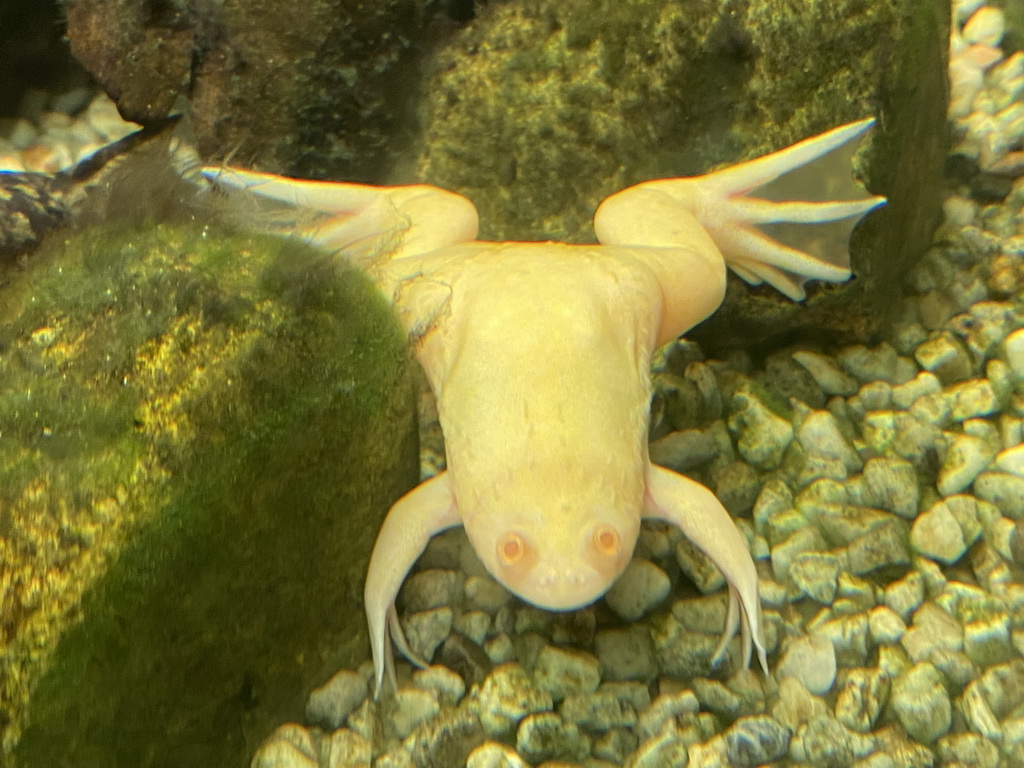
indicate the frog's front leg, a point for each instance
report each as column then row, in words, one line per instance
column 702, row 518
column 427, row 509
column 362, row 220
column 797, row 228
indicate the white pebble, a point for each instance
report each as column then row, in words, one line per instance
column 331, row 703
column 985, row 27
column 885, row 625
column 1011, row 460
column 921, row 703
column 290, row 746
column 346, row 749
column 1014, row 345
column 826, row 374
column 959, row 211
column 414, row 706
column 811, row 660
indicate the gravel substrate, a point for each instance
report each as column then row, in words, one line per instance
column 881, row 490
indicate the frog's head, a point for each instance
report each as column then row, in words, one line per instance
column 559, row 558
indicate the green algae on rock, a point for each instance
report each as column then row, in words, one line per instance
column 538, row 110
column 201, row 431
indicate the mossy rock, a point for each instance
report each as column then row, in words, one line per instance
column 538, row 110
column 200, row 432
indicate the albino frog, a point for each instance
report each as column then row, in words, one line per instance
column 539, row 356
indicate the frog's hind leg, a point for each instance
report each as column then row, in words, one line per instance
column 359, row 220
column 796, row 228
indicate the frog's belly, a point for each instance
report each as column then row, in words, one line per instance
column 545, row 384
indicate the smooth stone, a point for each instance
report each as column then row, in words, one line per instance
column 814, row 467
column 827, row 374
column 821, row 493
column 486, row 594
column 849, row 638
column 430, row 589
column 683, row 451
column 446, row 739
column 398, row 758
column 921, row 703
column 978, row 714
column 1014, row 347
column 331, row 703
column 880, row 363
column 937, row 535
column 811, row 659
column 414, row 706
column 932, row 409
column 803, row 541
column 638, row 590
column 635, row 694
column 1010, row 460
column 774, row 499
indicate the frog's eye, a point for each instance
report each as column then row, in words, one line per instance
column 606, row 540
column 511, row 548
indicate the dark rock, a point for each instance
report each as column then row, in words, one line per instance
column 465, row 658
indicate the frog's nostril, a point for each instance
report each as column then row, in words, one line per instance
column 606, row 540
column 511, row 548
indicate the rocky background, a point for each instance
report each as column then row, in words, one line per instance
column 875, row 483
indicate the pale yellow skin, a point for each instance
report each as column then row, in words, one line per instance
column 539, row 356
